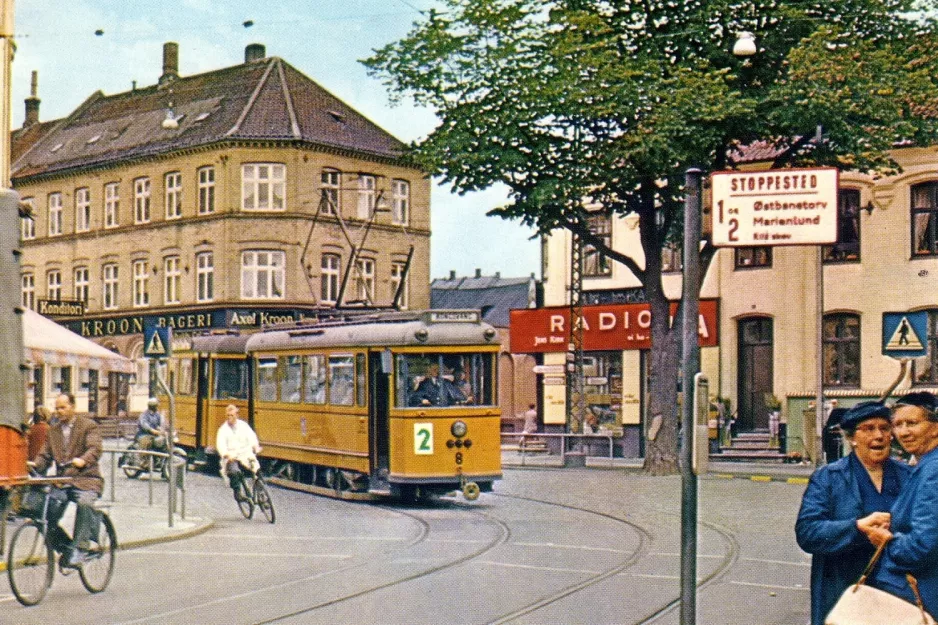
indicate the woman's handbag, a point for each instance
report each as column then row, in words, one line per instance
column 864, row 605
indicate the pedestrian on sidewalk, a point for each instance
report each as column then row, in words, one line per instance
column 846, row 501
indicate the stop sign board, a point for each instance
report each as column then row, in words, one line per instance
column 774, row 207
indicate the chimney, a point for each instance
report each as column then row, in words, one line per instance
column 170, row 63
column 452, row 274
column 254, row 52
column 478, row 273
column 498, row 275
column 32, row 102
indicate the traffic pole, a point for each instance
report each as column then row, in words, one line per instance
column 691, row 366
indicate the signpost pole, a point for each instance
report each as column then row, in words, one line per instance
column 819, row 368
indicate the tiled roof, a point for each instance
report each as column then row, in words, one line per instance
column 493, row 295
column 265, row 99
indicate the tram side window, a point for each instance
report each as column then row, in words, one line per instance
column 291, row 385
column 360, row 398
column 316, row 379
column 231, row 379
column 267, row 379
column 444, row 379
column 184, row 378
column 341, row 380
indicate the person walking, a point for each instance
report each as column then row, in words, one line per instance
column 845, row 501
column 38, row 432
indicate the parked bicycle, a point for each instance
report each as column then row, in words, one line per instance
column 31, row 560
column 254, row 495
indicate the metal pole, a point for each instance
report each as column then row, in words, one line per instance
column 819, row 398
column 691, row 366
column 170, row 445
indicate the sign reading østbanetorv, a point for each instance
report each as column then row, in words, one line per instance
column 774, row 207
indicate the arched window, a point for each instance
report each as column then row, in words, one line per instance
column 847, row 248
column 842, row 349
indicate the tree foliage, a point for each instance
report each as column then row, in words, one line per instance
column 606, row 103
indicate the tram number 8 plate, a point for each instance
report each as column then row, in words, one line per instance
column 423, row 439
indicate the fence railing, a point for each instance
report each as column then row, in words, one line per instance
column 566, row 438
column 179, row 465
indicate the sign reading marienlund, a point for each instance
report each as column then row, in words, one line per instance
column 774, row 207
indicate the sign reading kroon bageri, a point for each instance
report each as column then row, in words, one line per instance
column 774, row 207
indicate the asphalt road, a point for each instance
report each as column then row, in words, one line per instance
column 549, row 546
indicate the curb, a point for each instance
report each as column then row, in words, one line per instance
column 761, row 478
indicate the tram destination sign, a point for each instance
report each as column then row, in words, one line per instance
column 774, row 207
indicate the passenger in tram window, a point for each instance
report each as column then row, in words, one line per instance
column 845, row 501
column 462, row 384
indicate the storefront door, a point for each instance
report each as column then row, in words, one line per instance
column 755, row 373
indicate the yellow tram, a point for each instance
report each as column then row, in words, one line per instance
column 356, row 405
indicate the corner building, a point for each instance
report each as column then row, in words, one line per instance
column 229, row 199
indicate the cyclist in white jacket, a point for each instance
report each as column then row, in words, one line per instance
column 238, row 447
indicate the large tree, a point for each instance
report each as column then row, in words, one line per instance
column 606, row 103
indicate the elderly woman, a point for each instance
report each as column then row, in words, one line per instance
column 913, row 532
column 844, row 501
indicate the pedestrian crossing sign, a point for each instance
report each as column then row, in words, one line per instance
column 157, row 341
column 905, row 334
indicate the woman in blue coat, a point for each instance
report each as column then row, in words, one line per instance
column 844, row 501
column 913, row 531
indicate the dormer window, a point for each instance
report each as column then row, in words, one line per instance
column 339, row 117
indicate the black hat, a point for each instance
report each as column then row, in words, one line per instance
column 922, row 399
column 863, row 411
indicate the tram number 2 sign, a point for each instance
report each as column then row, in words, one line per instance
column 423, row 439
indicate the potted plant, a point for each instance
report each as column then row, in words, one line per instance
column 775, row 410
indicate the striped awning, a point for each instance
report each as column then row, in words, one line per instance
column 47, row 342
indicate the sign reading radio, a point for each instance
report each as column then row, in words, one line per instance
column 606, row 327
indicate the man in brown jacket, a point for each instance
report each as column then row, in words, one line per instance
column 74, row 443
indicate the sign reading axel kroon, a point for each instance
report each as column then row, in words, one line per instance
column 774, row 207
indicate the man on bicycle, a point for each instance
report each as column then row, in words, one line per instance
column 237, row 446
column 74, row 444
column 150, row 434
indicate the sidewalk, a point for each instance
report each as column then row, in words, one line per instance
column 717, row 469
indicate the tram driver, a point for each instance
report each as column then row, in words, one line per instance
column 434, row 390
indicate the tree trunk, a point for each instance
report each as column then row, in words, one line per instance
column 661, row 428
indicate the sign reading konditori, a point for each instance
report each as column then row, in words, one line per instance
column 774, row 207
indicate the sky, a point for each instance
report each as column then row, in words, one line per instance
column 324, row 39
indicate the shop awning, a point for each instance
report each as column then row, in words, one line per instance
column 47, row 342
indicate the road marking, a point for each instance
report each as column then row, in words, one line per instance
column 784, row 562
column 538, row 568
column 243, row 554
column 771, row 586
column 650, row 576
column 580, row 547
column 760, row 478
column 797, row 480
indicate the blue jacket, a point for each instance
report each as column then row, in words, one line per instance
column 914, row 547
column 827, row 529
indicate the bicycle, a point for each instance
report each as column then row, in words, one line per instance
column 255, row 495
column 31, row 560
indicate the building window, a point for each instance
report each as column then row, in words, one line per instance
column 206, row 190
column 330, row 181
column 925, row 219
column 751, row 257
column 329, row 278
column 109, row 292
column 262, row 275
column 400, row 196
column 262, row 186
column 365, row 280
column 847, row 248
column 81, row 282
column 141, row 283
column 55, row 214
column 141, row 200
column 924, row 370
column 173, row 194
column 111, row 205
column 172, row 279
column 366, row 196
column 595, row 264
column 398, row 274
column 842, row 350
column 28, row 224
column 82, row 209
column 28, row 299
column 54, row 284
column 672, row 258
column 205, row 277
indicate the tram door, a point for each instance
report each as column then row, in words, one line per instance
column 379, row 376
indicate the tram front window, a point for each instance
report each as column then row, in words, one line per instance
column 444, row 380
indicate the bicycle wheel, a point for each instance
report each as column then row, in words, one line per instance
column 96, row 570
column 245, row 501
column 264, row 502
column 30, row 564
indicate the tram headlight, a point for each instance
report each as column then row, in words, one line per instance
column 458, row 429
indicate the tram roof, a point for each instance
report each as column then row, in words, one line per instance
column 418, row 328
column 220, row 343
